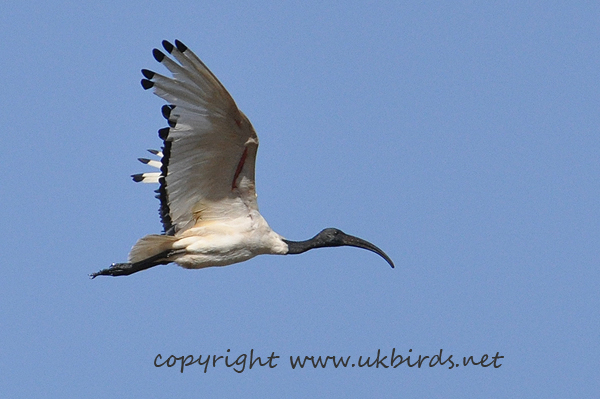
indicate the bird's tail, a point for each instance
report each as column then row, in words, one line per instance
column 149, row 246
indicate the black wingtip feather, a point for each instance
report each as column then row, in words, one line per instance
column 148, row 74
column 144, row 160
column 168, row 46
column 180, row 46
column 154, row 152
column 158, row 55
column 147, row 84
column 138, row 177
column 172, row 123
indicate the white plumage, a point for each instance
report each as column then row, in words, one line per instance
column 207, row 187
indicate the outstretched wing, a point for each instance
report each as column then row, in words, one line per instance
column 209, row 151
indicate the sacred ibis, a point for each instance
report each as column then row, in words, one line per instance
column 206, row 178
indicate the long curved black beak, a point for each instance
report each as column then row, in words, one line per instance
column 352, row 241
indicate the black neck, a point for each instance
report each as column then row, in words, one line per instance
column 298, row 247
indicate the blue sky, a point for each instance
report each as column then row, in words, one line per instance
column 460, row 137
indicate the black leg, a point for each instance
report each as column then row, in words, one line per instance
column 125, row 269
column 117, row 269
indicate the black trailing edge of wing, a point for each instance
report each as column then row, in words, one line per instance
column 166, row 110
column 164, row 211
column 163, row 133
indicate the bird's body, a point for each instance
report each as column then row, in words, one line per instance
column 206, row 176
column 222, row 244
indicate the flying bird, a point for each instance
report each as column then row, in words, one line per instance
column 206, row 182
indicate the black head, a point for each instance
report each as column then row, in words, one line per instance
column 332, row 237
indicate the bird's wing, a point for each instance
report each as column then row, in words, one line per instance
column 209, row 152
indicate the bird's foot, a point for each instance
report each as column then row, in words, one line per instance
column 116, row 269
